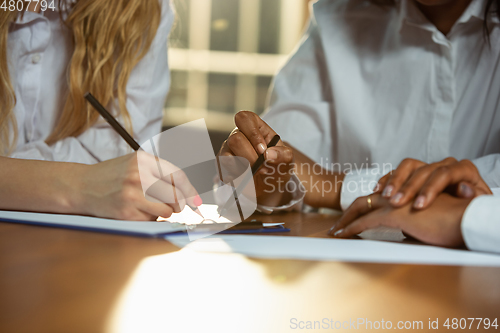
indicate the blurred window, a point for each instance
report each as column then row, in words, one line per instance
column 223, row 55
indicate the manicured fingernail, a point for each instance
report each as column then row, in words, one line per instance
column 338, row 232
column 376, row 188
column 271, row 154
column 261, row 148
column 397, row 198
column 388, row 191
column 419, row 202
column 197, row 201
column 467, row 192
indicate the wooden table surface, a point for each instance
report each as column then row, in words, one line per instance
column 56, row 280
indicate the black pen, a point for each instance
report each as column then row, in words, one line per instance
column 124, row 134
column 255, row 167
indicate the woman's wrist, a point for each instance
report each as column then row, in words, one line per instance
column 70, row 192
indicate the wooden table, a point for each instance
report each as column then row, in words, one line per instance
column 56, row 280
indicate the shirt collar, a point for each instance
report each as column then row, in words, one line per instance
column 409, row 13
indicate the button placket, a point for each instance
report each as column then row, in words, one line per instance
column 439, row 138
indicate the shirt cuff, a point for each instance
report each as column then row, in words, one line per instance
column 357, row 185
column 480, row 224
column 298, row 192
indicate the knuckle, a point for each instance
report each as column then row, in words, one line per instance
column 288, row 154
column 407, row 162
column 236, row 139
column 450, row 159
column 181, row 177
column 242, row 116
column 128, row 195
column 468, row 164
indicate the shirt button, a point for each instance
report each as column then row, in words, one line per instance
column 35, row 58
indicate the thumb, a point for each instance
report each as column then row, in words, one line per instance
column 279, row 154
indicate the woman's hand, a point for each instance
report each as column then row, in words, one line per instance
column 130, row 188
column 423, row 182
column 437, row 225
column 249, row 140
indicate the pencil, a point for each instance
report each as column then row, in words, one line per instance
column 255, row 167
column 124, row 134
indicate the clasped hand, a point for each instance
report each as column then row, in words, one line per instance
column 426, row 201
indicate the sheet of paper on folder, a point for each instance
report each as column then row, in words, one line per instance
column 187, row 216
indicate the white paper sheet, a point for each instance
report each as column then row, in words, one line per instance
column 92, row 223
column 351, row 250
column 187, row 216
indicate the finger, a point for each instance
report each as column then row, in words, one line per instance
column 255, row 129
column 413, row 185
column 278, row 155
column 167, row 193
column 277, row 158
column 370, row 221
column 443, row 177
column 382, row 183
column 465, row 190
column 240, row 145
column 358, row 208
column 155, row 207
column 150, row 165
column 400, row 175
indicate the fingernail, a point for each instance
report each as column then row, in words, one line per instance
column 338, row 232
column 467, row 192
column 271, row 154
column 197, row 201
column 261, row 148
column 376, row 188
column 419, row 202
column 388, row 191
column 397, row 198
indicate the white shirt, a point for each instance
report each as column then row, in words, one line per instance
column 369, row 86
column 481, row 223
column 39, row 49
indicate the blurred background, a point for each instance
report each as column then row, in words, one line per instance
column 223, row 55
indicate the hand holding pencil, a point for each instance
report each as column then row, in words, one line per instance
column 250, row 140
column 165, row 188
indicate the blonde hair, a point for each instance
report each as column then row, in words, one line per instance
column 110, row 37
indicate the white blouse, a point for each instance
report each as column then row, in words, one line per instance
column 369, row 86
column 39, row 49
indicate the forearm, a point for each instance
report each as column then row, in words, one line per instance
column 41, row 186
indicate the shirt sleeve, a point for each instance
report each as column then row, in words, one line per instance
column 489, row 168
column 299, row 108
column 481, row 224
column 146, row 90
column 300, row 99
column 357, row 184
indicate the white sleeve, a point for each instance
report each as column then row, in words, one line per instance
column 489, row 168
column 357, row 184
column 299, row 108
column 300, row 102
column 481, row 224
column 147, row 89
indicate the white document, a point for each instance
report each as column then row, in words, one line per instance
column 93, row 223
column 322, row 249
column 188, row 216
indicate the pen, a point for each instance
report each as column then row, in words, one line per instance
column 255, row 167
column 124, row 134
